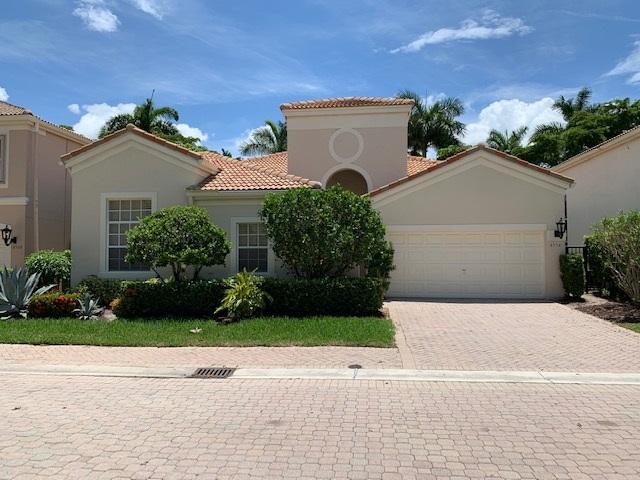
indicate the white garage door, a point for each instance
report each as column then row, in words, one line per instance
column 468, row 263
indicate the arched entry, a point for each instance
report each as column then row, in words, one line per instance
column 349, row 180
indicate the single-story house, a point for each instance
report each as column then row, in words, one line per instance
column 35, row 190
column 607, row 181
column 480, row 224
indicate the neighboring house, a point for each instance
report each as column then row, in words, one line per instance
column 35, row 189
column 477, row 225
column 607, row 181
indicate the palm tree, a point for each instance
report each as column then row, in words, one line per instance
column 270, row 138
column 147, row 117
column 433, row 125
column 570, row 106
column 505, row 141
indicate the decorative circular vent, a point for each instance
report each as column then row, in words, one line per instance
column 346, row 145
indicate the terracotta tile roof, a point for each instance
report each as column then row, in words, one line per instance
column 8, row 109
column 461, row 155
column 251, row 175
column 279, row 161
column 130, row 129
column 346, row 102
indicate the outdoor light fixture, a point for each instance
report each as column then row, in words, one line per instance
column 6, row 235
column 561, row 227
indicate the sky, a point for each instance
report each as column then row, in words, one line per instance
column 227, row 66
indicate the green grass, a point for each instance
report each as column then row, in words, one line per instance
column 632, row 326
column 283, row 331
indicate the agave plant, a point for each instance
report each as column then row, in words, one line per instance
column 88, row 308
column 17, row 288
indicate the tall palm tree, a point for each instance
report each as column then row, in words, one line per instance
column 433, row 125
column 147, row 117
column 270, row 138
column 570, row 106
column 507, row 141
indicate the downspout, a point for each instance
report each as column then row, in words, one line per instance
column 36, row 223
column 566, row 227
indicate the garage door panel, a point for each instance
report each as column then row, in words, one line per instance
column 490, row 264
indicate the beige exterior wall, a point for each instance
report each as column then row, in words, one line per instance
column 481, row 194
column 128, row 168
column 36, row 198
column 369, row 140
column 606, row 183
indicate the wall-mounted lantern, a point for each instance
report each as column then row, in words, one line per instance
column 561, row 228
column 6, row 235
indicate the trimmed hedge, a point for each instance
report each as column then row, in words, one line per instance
column 106, row 290
column 572, row 274
column 291, row 297
column 53, row 305
column 600, row 276
column 196, row 299
column 297, row 297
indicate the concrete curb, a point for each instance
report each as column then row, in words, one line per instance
column 335, row 374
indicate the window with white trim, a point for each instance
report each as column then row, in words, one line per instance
column 253, row 247
column 3, row 159
column 122, row 214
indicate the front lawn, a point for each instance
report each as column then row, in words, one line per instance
column 632, row 326
column 280, row 331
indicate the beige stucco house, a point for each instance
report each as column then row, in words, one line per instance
column 35, row 189
column 477, row 225
column 607, row 181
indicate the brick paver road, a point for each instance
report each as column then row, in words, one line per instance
column 86, row 427
column 476, row 335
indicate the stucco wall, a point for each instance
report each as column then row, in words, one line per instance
column 483, row 195
column 132, row 170
column 605, row 184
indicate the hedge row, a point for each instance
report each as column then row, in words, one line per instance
column 291, row 297
column 53, row 305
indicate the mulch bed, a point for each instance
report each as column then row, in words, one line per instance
column 612, row 311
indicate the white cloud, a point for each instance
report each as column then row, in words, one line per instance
column 155, row 8
column 509, row 115
column 74, row 108
column 96, row 115
column 189, row 131
column 491, row 25
column 96, row 16
column 4, row 96
column 629, row 66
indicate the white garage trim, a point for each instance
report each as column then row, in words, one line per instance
column 468, row 261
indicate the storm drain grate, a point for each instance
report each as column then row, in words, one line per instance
column 213, row 372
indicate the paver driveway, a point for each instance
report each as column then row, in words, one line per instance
column 88, row 427
column 490, row 335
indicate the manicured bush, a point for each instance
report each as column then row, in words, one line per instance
column 572, row 274
column 178, row 237
column 618, row 239
column 105, row 290
column 324, row 296
column 322, row 233
column 54, row 305
column 243, row 297
column 53, row 266
column 599, row 276
column 194, row 299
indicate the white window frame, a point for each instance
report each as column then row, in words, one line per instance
column 235, row 221
column 4, row 155
column 104, row 252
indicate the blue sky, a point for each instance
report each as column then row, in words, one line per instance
column 226, row 66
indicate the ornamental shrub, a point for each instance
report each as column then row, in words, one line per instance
column 243, row 297
column 188, row 299
column 572, row 274
column 178, row 237
column 618, row 240
column 323, row 233
column 53, row 266
column 53, row 305
column 299, row 297
column 599, row 276
column 105, row 290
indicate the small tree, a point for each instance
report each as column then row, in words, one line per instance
column 618, row 239
column 325, row 233
column 53, row 266
column 178, row 237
